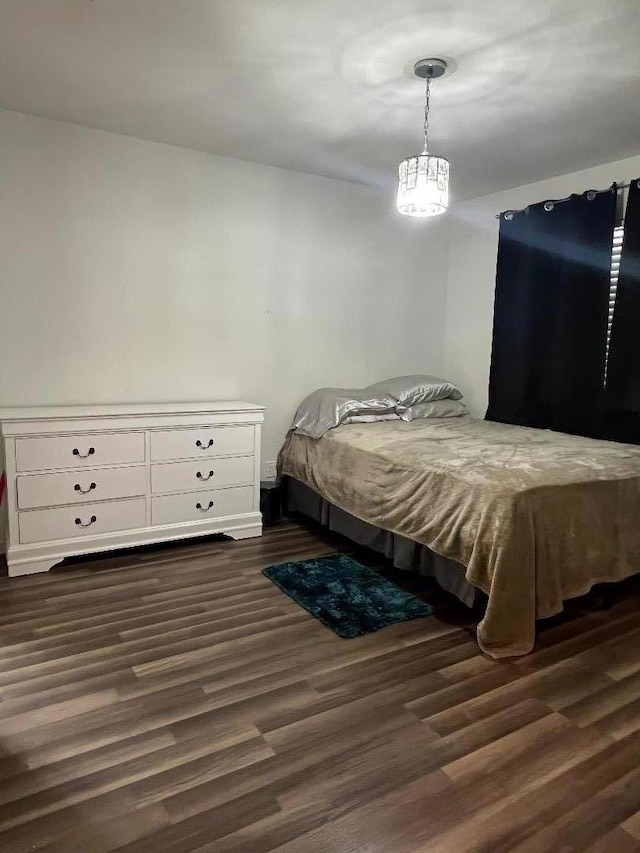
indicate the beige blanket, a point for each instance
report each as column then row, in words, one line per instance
column 536, row 517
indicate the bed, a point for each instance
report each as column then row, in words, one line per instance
column 534, row 517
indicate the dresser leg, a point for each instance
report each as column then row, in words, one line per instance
column 246, row 533
column 31, row 568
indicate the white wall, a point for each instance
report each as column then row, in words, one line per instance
column 134, row 271
column 472, row 267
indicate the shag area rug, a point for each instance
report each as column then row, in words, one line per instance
column 349, row 598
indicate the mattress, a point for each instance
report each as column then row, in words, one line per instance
column 535, row 517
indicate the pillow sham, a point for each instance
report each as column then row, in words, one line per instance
column 414, row 389
column 435, row 409
column 327, row 408
column 370, row 419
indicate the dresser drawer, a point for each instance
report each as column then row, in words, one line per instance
column 45, row 525
column 84, row 450
column 205, row 441
column 39, row 490
column 200, row 506
column 206, row 474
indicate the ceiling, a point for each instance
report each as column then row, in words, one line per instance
column 542, row 87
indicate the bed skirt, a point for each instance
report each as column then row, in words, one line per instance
column 405, row 554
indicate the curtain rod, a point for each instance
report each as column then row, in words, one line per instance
column 590, row 193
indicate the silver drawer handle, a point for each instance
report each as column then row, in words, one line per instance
column 204, row 479
column 88, row 524
column 204, row 446
column 86, row 455
column 82, row 491
column 204, row 508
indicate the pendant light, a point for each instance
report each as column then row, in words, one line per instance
column 423, row 185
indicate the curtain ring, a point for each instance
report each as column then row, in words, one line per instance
column 508, row 215
column 548, row 205
column 591, row 195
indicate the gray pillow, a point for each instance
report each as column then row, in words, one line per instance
column 370, row 419
column 410, row 390
column 436, row 409
column 327, row 408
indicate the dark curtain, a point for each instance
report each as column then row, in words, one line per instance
column 550, row 316
column 623, row 372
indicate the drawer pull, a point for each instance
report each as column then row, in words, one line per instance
column 80, row 523
column 86, row 455
column 204, row 508
column 204, row 479
column 204, row 446
column 82, row 491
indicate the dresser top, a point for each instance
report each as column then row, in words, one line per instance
column 123, row 410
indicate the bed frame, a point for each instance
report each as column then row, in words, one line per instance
column 405, row 554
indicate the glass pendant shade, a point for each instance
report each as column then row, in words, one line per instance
column 423, row 186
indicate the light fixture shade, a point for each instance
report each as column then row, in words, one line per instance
column 423, row 186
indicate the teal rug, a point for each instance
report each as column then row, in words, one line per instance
column 349, row 598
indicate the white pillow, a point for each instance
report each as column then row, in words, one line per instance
column 436, row 409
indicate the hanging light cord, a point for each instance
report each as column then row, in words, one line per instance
column 426, row 117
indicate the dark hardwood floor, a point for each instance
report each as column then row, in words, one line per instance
column 174, row 700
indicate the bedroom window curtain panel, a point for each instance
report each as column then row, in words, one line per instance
column 623, row 368
column 551, row 313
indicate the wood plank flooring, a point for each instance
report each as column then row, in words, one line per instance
column 174, row 700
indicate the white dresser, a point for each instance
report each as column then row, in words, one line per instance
column 82, row 479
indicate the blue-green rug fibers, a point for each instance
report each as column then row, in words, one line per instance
column 349, row 598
